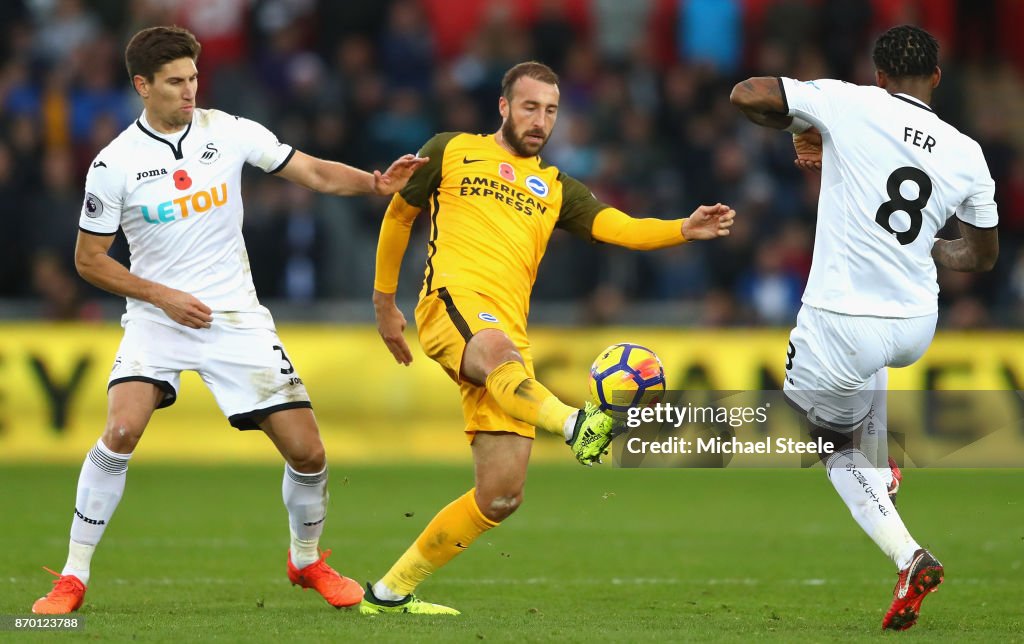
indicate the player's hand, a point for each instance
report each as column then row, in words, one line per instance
column 395, row 178
column 390, row 325
column 808, row 150
column 184, row 308
column 708, row 222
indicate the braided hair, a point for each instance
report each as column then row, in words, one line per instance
column 906, row 51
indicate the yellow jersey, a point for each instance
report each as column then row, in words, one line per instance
column 491, row 215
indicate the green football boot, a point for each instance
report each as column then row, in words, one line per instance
column 593, row 431
column 411, row 604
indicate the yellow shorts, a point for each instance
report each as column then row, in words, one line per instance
column 446, row 319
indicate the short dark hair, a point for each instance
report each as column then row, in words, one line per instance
column 152, row 48
column 906, row 51
column 530, row 69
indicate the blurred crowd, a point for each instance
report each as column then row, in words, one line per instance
column 645, row 122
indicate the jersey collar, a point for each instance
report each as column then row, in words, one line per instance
column 167, row 139
column 916, row 102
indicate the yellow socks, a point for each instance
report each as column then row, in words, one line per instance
column 522, row 397
column 448, row 534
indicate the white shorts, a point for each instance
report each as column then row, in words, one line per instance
column 246, row 368
column 832, row 360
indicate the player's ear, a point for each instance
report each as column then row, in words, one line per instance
column 881, row 79
column 936, row 77
column 503, row 107
column 141, row 86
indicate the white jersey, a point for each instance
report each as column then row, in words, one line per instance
column 892, row 174
column 178, row 199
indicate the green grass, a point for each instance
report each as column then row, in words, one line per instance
column 198, row 553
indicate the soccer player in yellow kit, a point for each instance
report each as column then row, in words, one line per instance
column 493, row 203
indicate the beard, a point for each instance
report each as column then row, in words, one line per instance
column 518, row 143
column 180, row 120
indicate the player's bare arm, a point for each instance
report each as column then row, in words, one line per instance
column 976, row 251
column 761, row 101
column 335, row 178
column 98, row 268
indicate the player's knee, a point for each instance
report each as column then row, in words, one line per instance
column 840, row 440
column 121, row 436
column 508, row 354
column 310, row 459
column 501, row 506
column 495, row 348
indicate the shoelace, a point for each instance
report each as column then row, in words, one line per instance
column 63, row 584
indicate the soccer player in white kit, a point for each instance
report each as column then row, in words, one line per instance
column 892, row 173
column 172, row 182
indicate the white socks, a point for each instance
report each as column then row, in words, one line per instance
column 872, row 434
column 380, row 591
column 570, row 424
column 305, row 496
column 862, row 489
column 100, row 486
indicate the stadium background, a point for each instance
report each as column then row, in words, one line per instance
column 645, row 122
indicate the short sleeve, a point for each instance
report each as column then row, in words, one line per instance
column 426, row 179
column 104, row 199
column 263, row 150
column 979, row 208
column 819, row 101
column 579, row 207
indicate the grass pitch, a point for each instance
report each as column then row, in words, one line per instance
column 198, row 553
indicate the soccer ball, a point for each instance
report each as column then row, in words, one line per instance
column 626, row 375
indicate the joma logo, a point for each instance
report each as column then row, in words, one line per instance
column 151, row 173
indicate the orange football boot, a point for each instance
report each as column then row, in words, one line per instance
column 66, row 597
column 339, row 591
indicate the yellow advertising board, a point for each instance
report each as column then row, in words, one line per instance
column 53, row 383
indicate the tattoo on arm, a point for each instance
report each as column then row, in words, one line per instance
column 759, row 100
column 950, row 254
column 959, row 255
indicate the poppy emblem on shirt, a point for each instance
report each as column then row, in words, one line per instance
column 93, row 206
column 507, row 172
column 537, row 186
column 181, row 180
